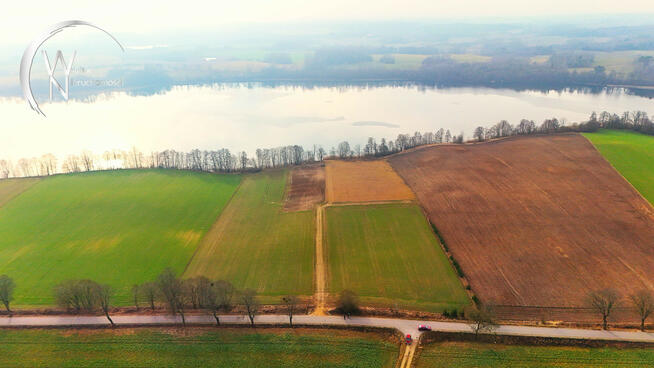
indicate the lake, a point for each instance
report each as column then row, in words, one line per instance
column 242, row 117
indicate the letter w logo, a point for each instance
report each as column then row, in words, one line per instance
column 67, row 69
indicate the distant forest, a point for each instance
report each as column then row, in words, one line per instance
column 222, row 160
column 560, row 71
column 522, row 54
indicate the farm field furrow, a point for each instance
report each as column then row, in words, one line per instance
column 535, row 221
column 119, row 227
column 632, row 154
column 478, row 355
column 364, row 181
column 389, row 256
column 255, row 244
column 197, row 348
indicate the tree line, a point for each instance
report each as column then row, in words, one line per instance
column 178, row 296
column 201, row 294
column 224, row 161
column 637, row 121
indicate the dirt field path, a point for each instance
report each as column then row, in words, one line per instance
column 409, row 352
column 321, row 273
column 320, row 269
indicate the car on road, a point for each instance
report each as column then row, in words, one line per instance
column 424, row 328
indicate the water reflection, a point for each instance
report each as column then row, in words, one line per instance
column 249, row 116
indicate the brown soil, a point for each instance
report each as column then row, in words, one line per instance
column 306, row 188
column 364, row 181
column 535, row 221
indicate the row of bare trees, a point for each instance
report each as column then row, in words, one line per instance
column 84, row 296
column 635, row 120
column 387, row 147
column 223, row 160
column 605, row 301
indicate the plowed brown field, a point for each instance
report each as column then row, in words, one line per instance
column 535, row 221
column 364, row 181
column 305, row 189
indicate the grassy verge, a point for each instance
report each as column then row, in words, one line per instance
column 388, row 255
column 196, row 348
column 632, row 154
column 470, row 354
column 118, row 227
column 256, row 245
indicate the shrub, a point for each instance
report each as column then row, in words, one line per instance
column 348, row 302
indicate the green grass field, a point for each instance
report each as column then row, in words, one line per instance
column 10, row 188
column 118, row 227
column 256, row 245
column 388, row 254
column 469, row 355
column 198, row 348
column 632, row 154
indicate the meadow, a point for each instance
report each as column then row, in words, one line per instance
column 118, row 227
column 389, row 256
column 478, row 355
column 632, row 154
column 255, row 244
column 197, row 348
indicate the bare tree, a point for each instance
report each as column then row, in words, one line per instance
column 221, row 297
column 343, row 149
column 198, row 290
column 291, row 302
column 103, row 295
column 482, row 319
column 77, row 295
column 5, row 169
column 251, row 304
column 150, row 292
column 479, row 134
column 87, row 160
column 171, row 289
column 135, row 294
column 6, row 291
column 643, row 303
column 603, row 302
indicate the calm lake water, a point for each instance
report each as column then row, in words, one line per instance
column 238, row 117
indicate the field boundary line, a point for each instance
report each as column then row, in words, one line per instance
column 371, row 203
column 465, row 283
column 197, row 247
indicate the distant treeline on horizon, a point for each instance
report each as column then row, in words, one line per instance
column 224, row 161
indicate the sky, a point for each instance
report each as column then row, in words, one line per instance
column 100, row 126
column 20, row 20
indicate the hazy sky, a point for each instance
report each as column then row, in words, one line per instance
column 20, row 20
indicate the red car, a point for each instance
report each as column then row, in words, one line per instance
column 408, row 339
column 424, row 328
